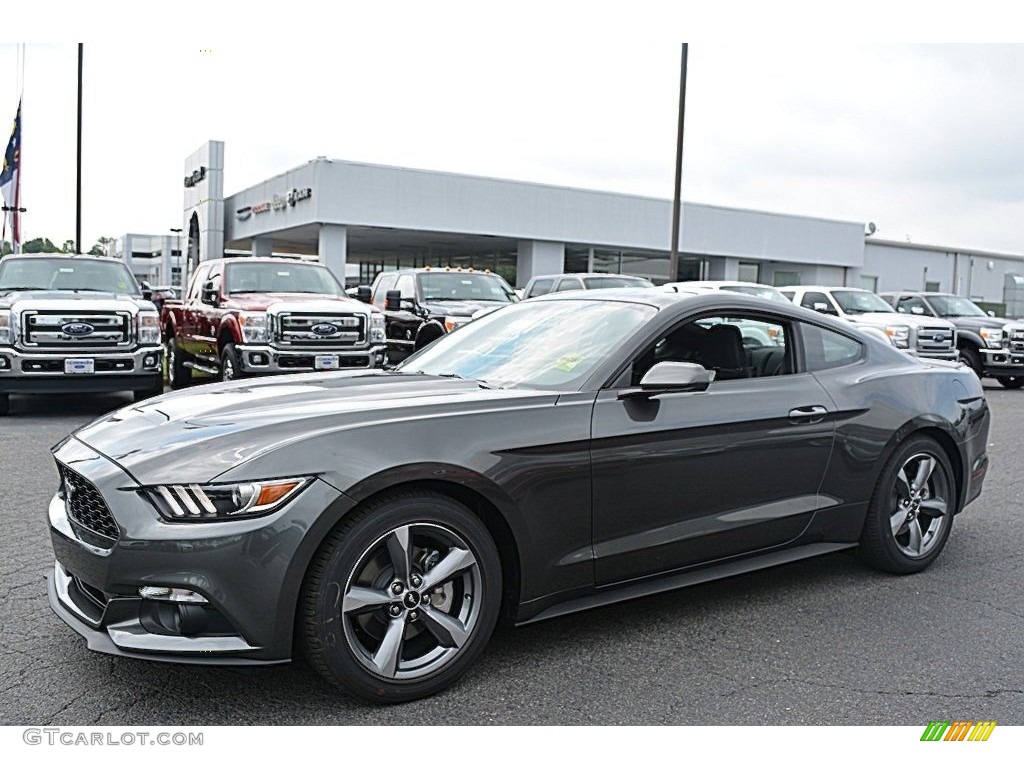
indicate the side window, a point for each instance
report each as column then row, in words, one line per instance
column 540, row 287
column 196, row 287
column 215, row 279
column 815, row 299
column 733, row 347
column 911, row 305
column 385, row 284
column 406, row 284
column 568, row 284
column 825, row 349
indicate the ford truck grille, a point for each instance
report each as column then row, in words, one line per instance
column 86, row 506
column 55, row 329
column 298, row 329
column 935, row 340
column 1016, row 340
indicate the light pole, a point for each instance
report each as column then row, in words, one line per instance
column 177, row 231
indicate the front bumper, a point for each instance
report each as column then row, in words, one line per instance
column 115, row 371
column 1002, row 362
column 260, row 359
column 248, row 571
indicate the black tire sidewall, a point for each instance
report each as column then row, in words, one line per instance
column 972, row 358
column 180, row 376
column 326, row 645
column 878, row 546
column 230, row 355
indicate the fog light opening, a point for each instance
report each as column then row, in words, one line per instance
column 5, row 364
column 171, row 594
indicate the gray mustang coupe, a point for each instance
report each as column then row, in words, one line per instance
column 558, row 454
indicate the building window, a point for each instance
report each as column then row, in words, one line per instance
column 868, row 283
column 785, row 277
column 932, row 286
column 749, row 272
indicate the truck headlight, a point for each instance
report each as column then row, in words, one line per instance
column 993, row 337
column 255, row 327
column 377, row 333
column 899, row 335
column 216, row 503
column 451, row 322
column 149, row 327
column 6, row 326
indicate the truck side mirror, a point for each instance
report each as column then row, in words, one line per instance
column 363, row 294
column 210, row 293
column 147, row 290
column 393, row 301
column 820, row 306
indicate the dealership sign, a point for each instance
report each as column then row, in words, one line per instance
column 279, row 202
column 196, row 176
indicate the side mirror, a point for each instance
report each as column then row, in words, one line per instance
column 820, row 306
column 210, row 293
column 668, row 376
column 363, row 294
column 393, row 301
column 147, row 290
column 991, row 313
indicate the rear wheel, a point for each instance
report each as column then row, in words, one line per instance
column 911, row 511
column 178, row 376
column 402, row 599
column 1012, row 382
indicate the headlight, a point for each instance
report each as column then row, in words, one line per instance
column 255, row 327
column 452, row 322
column 149, row 327
column 993, row 337
column 899, row 335
column 214, row 503
column 6, row 326
column 377, row 334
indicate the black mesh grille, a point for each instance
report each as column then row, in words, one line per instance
column 85, row 505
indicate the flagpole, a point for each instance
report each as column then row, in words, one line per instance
column 78, row 200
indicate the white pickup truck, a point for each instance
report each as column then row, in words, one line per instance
column 72, row 324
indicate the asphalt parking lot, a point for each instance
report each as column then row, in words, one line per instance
column 822, row 642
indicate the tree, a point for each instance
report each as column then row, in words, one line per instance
column 68, row 247
column 40, row 245
column 100, row 249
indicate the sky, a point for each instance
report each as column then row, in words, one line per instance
column 923, row 140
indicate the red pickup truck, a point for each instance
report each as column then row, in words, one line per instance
column 256, row 316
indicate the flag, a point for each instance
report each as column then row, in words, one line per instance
column 10, row 180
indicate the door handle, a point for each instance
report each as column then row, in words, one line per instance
column 808, row 413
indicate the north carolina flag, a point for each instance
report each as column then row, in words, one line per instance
column 9, row 178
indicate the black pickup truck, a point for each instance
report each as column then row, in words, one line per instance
column 992, row 346
column 421, row 305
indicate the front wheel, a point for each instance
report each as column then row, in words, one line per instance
column 1012, row 382
column 230, row 367
column 402, row 599
column 5, row 404
column 972, row 359
column 911, row 511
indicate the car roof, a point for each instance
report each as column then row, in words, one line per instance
column 587, row 274
column 261, row 260
column 821, row 288
column 75, row 256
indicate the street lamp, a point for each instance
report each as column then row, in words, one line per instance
column 177, row 231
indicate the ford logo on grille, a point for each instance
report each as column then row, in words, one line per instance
column 77, row 329
column 324, row 329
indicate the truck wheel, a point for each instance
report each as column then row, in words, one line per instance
column 5, row 404
column 1012, row 382
column 970, row 357
column 230, row 365
column 178, row 376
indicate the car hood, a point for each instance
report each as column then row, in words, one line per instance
column 195, row 435
column 895, row 318
column 977, row 323
column 259, row 302
column 460, row 308
column 41, row 299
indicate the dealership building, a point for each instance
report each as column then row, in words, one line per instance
column 360, row 219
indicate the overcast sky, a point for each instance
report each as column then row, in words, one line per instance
column 925, row 141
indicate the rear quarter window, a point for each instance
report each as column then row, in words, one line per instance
column 825, row 349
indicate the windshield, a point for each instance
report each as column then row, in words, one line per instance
column 268, row 277
column 860, row 302
column 760, row 291
column 956, row 306
column 617, row 281
column 56, row 274
column 542, row 345
column 464, row 286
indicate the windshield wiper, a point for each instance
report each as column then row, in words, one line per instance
column 23, row 288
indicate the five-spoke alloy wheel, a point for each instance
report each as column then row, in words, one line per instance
column 402, row 598
column 911, row 511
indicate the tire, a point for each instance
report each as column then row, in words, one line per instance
column 5, row 404
column 970, row 357
column 178, row 376
column 230, row 364
column 906, row 529
column 377, row 634
column 1012, row 382
column 428, row 334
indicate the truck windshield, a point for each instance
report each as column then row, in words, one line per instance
column 617, row 281
column 464, row 286
column 56, row 274
column 956, row 306
column 269, row 277
column 860, row 302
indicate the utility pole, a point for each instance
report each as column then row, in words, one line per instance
column 78, row 198
column 673, row 259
